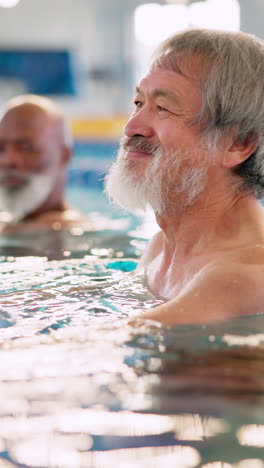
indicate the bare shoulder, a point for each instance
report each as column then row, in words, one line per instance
column 67, row 218
column 246, row 270
column 56, row 220
column 222, row 289
column 152, row 249
column 238, row 277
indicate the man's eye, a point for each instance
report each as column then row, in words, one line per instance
column 138, row 103
column 162, row 109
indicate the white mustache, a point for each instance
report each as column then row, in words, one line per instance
column 4, row 173
column 140, row 143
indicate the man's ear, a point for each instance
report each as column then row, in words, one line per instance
column 66, row 154
column 238, row 152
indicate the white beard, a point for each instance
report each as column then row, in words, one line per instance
column 17, row 203
column 155, row 187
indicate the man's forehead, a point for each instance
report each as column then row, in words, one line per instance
column 159, row 92
column 26, row 120
column 169, row 84
column 26, row 112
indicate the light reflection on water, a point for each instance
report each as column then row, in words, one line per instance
column 81, row 388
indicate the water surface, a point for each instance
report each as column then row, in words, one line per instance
column 81, row 388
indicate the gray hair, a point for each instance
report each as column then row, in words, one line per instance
column 232, row 86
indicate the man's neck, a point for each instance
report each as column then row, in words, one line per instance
column 209, row 225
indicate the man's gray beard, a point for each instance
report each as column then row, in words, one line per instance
column 17, row 203
column 155, row 187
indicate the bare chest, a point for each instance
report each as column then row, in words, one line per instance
column 170, row 279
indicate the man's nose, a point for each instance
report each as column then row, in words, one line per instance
column 139, row 124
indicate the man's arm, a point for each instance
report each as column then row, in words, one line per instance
column 217, row 292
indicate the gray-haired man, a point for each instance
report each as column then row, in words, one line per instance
column 193, row 150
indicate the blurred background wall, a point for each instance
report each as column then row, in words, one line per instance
column 89, row 49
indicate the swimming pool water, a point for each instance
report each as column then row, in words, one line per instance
column 82, row 388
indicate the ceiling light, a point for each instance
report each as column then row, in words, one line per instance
column 8, row 3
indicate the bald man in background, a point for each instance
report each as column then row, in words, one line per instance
column 35, row 151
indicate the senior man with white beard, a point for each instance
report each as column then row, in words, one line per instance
column 35, row 150
column 193, row 150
